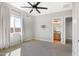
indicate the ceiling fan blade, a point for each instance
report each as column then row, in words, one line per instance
column 25, row 7
column 42, row 8
column 30, row 4
column 38, row 11
column 31, row 10
column 37, row 3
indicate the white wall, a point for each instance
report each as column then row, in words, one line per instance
column 69, row 28
column 46, row 34
column 28, row 27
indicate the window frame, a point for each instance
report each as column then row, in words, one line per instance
column 14, row 27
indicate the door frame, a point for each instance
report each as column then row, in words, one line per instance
column 63, row 39
column 65, row 26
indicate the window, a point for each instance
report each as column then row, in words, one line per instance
column 15, row 24
column 11, row 24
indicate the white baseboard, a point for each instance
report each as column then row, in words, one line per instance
column 42, row 39
column 37, row 38
column 28, row 38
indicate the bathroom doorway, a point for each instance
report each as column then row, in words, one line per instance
column 57, row 30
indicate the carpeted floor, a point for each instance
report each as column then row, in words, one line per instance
column 38, row 48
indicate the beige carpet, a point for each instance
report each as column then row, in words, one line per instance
column 38, row 48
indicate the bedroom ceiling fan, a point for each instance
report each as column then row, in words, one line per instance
column 34, row 6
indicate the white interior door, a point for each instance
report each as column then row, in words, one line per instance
column 78, row 28
column 75, row 30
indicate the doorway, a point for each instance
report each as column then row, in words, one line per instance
column 57, row 30
column 68, row 31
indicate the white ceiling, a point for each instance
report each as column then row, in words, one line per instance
column 52, row 7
